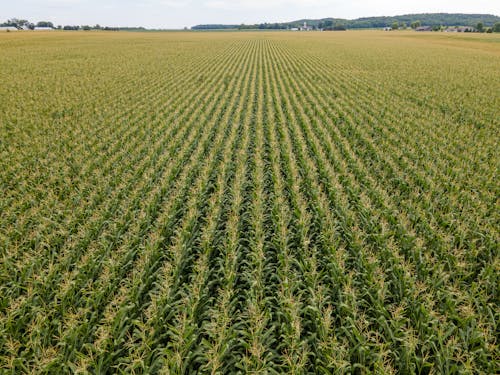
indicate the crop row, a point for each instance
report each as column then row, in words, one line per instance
column 248, row 203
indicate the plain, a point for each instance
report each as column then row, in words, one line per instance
column 254, row 202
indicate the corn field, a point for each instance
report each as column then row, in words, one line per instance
column 253, row 203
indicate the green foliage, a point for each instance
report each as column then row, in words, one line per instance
column 44, row 24
column 424, row 19
column 248, row 203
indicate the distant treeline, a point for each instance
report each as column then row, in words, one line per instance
column 403, row 21
column 215, row 27
column 266, row 26
column 428, row 19
column 27, row 25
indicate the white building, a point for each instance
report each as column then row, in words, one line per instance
column 8, row 28
column 305, row 27
column 43, row 29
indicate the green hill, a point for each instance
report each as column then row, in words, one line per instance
column 430, row 19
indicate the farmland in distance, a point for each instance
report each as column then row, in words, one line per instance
column 249, row 202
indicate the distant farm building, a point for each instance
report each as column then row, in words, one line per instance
column 424, row 28
column 43, row 29
column 305, row 27
column 387, row 28
column 8, row 28
column 460, row 29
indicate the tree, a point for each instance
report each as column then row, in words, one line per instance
column 45, row 24
column 480, row 27
column 15, row 22
column 395, row 25
column 415, row 24
column 496, row 27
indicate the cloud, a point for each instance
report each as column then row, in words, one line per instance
column 262, row 4
column 179, row 13
column 170, row 3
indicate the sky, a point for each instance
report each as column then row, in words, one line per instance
column 173, row 14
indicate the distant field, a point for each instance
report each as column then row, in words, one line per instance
column 249, row 202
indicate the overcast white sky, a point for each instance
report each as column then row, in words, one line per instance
column 180, row 13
